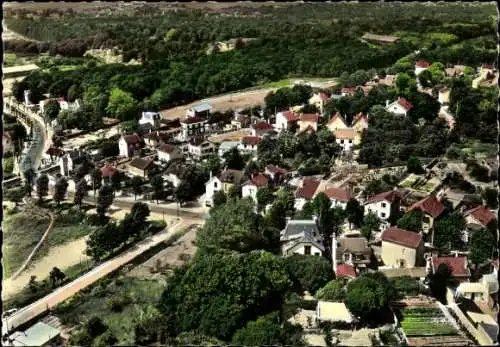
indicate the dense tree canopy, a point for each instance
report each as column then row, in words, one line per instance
column 309, row 273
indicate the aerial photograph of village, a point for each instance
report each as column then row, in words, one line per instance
column 250, row 174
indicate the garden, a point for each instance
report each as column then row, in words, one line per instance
column 426, row 321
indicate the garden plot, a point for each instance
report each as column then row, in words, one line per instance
column 428, row 321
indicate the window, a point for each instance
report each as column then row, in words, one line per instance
column 316, row 253
column 384, row 204
column 350, row 141
column 342, row 141
column 215, row 184
column 307, row 250
column 382, row 214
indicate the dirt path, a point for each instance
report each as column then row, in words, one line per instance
column 58, row 256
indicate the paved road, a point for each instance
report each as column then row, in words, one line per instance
column 61, row 294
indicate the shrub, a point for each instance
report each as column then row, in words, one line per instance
column 156, row 226
column 95, row 220
column 116, row 303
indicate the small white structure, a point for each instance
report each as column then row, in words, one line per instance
column 40, row 334
column 69, row 106
column 333, row 312
column 168, row 152
column 382, row 204
column 249, row 144
column 345, row 138
column 129, row 144
column 400, row 107
column 199, row 148
column 301, row 237
column 285, row 120
column 421, row 65
column 444, row 96
column 152, row 118
column 226, row 146
column 251, row 187
column 201, row 110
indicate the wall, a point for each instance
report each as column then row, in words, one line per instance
column 377, row 209
column 391, row 253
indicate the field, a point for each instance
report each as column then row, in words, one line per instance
column 479, row 149
column 426, row 321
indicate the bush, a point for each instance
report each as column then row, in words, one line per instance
column 156, row 226
column 116, row 303
column 95, row 220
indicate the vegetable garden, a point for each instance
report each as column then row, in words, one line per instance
column 426, row 321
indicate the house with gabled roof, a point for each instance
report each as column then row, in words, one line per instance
column 338, row 196
column 421, row 65
column 308, row 121
column 192, row 126
column 346, row 271
column 168, row 152
column 319, row 100
column 199, row 148
column 360, row 122
column 383, row 205
column 224, row 181
column 250, row 187
column 140, row 166
column 301, row 237
column 477, row 219
column 402, row 248
column 432, row 209
column 286, row 120
column 260, row 128
column 459, row 266
column 155, row 138
column 130, row 145
column 336, row 122
column 275, row 173
column 400, row 107
column 249, row 144
column 305, row 192
column 351, row 249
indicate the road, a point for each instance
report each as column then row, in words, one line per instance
column 61, row 294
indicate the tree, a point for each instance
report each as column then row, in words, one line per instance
column 276, row 217
column 354, row 212
column 264, row 196
column 42, row 186
column 482, row 245
column 448, row 232
column 268, row 330
column 241, row 288
column 233, row 159
column 103, row 240
column 116, row 181
column 219, row 198
column 136, row 182
column 56, row 275
column 411, row 221
column 96, row 180
column 105, row 339
column 287, row 198
column 60, row 189
column 327, row 142
column 51, row 109
column 81, row 189
column 309, row 272
column 29, row 178
column 367, row 295
column 140, row 213
column 490, row 195
column 413, row 165
column 371, row 222
column 439, row 280
column 424, row 107
column 122, row 104
column 95, row 326
column 157, row 184
column 332, row 291
column 104, row 200
column 287, row 144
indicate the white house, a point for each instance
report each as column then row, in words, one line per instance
column 444, row 96
column 338, row 196
column 477, row 218
column 383, row 205
column 421, row 65
column 152, row 118
column 222, row 182
column 251, row 187
column 301, row 237
column 191, row 127
column 308, row 121
column 285, row 120
column 201, row 110
column 345, row 138
column 400, row 107
column 199, row 148
column 70, row 160
column 319, row 100
column 260, row 128
column 226, row 146
column 129, row 144
column 167, row 152
column 305, row 192
column 249, row 144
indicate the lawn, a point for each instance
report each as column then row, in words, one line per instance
column 21, row 232
column 407, row 183
column 426, row 322
column 479, row 148
column 117, row 302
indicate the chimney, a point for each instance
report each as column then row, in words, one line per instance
column 210, row 174
column 386, row 103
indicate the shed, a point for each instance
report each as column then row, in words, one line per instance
column 39, row 334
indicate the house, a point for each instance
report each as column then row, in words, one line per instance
column 140, row 166
column 7, row 142
column 458, row 265
column 175, row 172
column 346, row 271
column 421, row 65
column 129, row 145
column 301, row 237
column 308, row 120
column 351, row 249
column 345, row 138
column 168, row 152
column 327, row 311
column 251, row 186
column 275, row 173
column 388, row 80
column 260, row 128
column 477, row 218
column 107, row 171
column 199, row 148
column 70, row 160
column 457, row 70
column 152, row 118
column 191, row 127
column 226, row 146
column 285, row 120
column 383, row 205
column 156, row 138
column 305, row 192
column 402, row 248
column 444, row 96
column 201, row 111
column 431, row 207
column 249, row 144
column 319, row 100
column 240, row 121
column 400, row 107
column 348, row 91
column 40, row 334
column 336, row 122
column 483, row 292
column 224, row 181
column 338, row 196
column 360, row 123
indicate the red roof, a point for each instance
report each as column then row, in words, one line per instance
column 384, row 196
column 259, row 180
column 309, row 117
column 402, row 237
column 56, row 152
column 458, row 265
column 360, row 116
column 487, row 66
column 344, row 270
column 132, row 139
column 481, row 214
column 338, row 194
column 443, row 90
column 335, row 116
column 167, row 148
column 349, row 90
column 274, row 169
column 192, row 120
column 308, row 188
column 262, row 126
column 251, row 140
column 108, row 171
column 406, row 105
column 290, row 116
column 429, row 205
column 422, row 64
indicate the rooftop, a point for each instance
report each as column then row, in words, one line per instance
column 334, row 311
column 308, row 188
column 430, row 205
column 141, row 163
column 37, row 335
column 402, row 237
column 201, row 107
column 458, row 265
column 384, row 196
column 345, row 270
column 481, row 214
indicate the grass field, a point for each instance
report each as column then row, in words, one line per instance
column 479, row 148
column 117, row 302
column 426, row 322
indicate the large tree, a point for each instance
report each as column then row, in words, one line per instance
column 411, row 221
column 309, row 273
column 103, row 241
column 233, row 159
column 448, row 232
column 42, row 186
column 51, row 110
column 60, row 189
column 332, row 291
column 482, row 246
column 439, row 280
column 137, row 183
column 354, row 212
column 156, row 182
column 104, row 199
column 122, row 104
column 81, row 189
